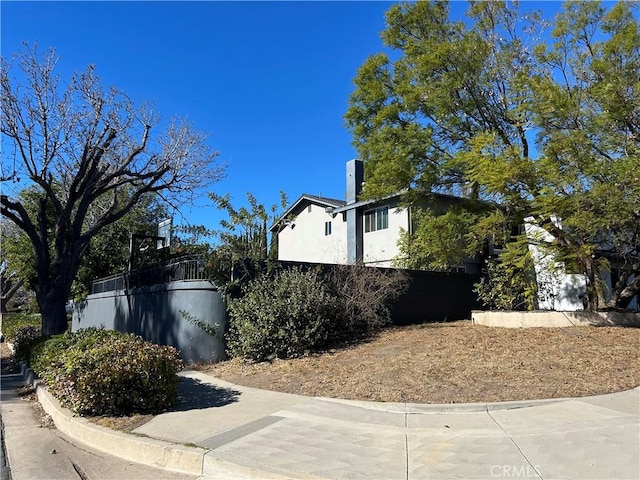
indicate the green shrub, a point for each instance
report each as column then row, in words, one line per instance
column 509, row 282
column 280, row 317
column 102, row 372
column 23, row 340
column 12, row 321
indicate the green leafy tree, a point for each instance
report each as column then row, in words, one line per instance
column 546, row 128
column 245, row 234
column 81, row 147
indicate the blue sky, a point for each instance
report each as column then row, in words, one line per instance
column 269, row 81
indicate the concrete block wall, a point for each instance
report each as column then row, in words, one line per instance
column 156, row 314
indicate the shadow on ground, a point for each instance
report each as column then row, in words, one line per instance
column 193, row 394
column 11, row 377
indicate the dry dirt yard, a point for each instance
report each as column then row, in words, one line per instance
column 456, row 362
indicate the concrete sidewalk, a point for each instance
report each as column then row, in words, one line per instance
column 253, row 432
column 34, row 451
column 224, row 431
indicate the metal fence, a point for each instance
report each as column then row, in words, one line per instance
column 184, row 268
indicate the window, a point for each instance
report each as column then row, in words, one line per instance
column 327, row 228
column 377, row 219
column 309, row 209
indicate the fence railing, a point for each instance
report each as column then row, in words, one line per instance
column 185, row 268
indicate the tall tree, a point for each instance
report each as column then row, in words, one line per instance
column 79, row 146
column 108, row 251
column 245, row 234
column 544, row 127
column 242, row 243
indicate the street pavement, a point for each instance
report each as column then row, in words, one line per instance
column 224, row 431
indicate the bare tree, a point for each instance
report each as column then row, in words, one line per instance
column 81, row 147
column 9, row 286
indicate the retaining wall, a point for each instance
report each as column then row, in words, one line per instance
column 154, row 312
column 554, row 319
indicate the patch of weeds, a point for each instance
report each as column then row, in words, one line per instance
column 193, row 445
column 26, row 390
column 121, row 424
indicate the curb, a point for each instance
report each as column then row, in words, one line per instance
column 147, row 451
column 439, row 408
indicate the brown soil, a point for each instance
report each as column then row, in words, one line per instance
column 124, row 424
column 457, row 362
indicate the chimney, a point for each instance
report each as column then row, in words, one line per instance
column 355, row 177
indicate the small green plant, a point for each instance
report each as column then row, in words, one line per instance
column 208, row 328
column 281, row 317
column 509, row 281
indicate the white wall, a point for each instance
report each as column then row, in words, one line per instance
column 306, row 241
column 557, row 290
column 381, row 247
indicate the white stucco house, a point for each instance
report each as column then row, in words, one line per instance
column 325, row 230
column 308, row 232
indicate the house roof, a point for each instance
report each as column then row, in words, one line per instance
column 305, row 199
column 363, row 203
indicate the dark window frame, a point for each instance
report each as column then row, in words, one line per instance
column 376, row 219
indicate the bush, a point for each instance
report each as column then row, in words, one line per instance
column 54, row 352
column 280, row 317
column 48, row 354
column 509, row 282
column 364, row 295
column 101, row 372
column 23, row 340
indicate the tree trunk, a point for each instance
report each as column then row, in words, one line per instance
column 53, row 312
column 596, row 288
column 626, row 295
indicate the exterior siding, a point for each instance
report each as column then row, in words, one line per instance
column 381, row 247
column 557, row 290
column 307, row 242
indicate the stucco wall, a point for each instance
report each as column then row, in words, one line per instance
column 155, row 314
column 557, row 289
column 381, row 247
column 307, row 242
